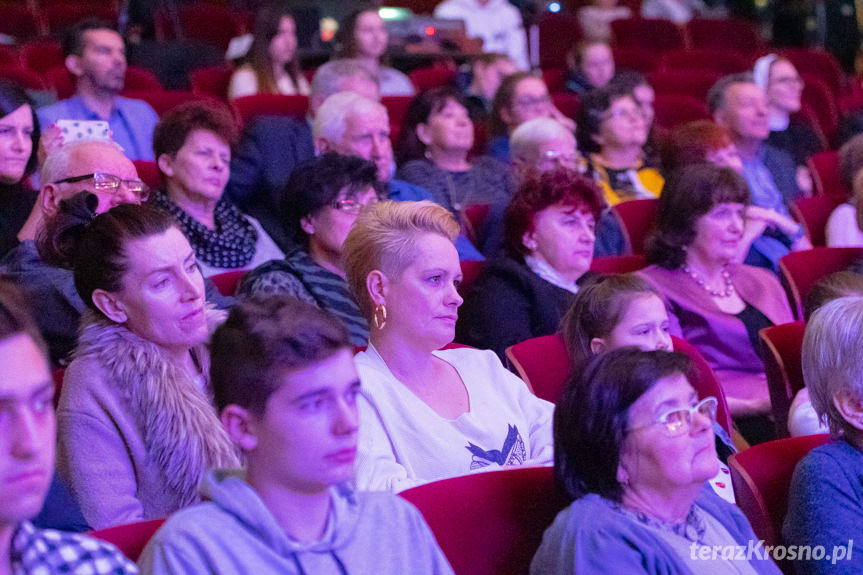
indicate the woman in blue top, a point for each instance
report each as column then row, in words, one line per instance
column 634, row 448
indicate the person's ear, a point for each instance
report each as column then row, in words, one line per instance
column 50, row 198
column 240, row 427
column 73, row 64
column 110, row 305
column 424, row 134
column 378, row 285
column 528, row 240
column 166, row 164
column 322, row 146
column 598, row 346
column 850, row 407
column 307, row 224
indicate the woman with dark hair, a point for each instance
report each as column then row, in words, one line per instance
column 633, row 449
column 363, row 37
column 715, row 303
column 19, row 142
column 321, row 202
column 548, row 238
column 436, row 140
column 192, row 143
column 611, row 134
column 137, row 429
column 273, row 66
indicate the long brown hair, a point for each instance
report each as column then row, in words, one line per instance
column 266, row 28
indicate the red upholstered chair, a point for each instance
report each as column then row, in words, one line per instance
column 475, row 217
column 207, row 22
column 149, row 173
column 60, row 17
column 212, row 81
column 634, row 58
column 57, row 376
column 618, row 264
column 228, row 282
column 672, row 110
column 799, row 271
column 432, row 77
column 542, row 363
column 164, row 100
column 141, row 80
column 397, row 107
column 729, row 35
column 567, row 103
column 818, row 97
column 762, row 477
column 9, row 56
column 557, row 34
column 249, row 107
column 705, row 382
column 717, row 60
column 490, row 523
column 782, row 349
column 694, row 83
column 24, row 77
column 469, row 272
column 130, row 538
column 655, row 35
column 636, row 219
column 824, row 168
column 813, row 213
column 19, row 21
column 554, row 78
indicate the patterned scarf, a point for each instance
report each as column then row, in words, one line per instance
column 230, row 245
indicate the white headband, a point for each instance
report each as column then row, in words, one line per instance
column 761, row 71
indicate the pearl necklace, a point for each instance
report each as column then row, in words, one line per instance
column 726, row 278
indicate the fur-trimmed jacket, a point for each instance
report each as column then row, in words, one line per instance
column 136, row 433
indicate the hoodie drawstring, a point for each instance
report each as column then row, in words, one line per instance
column 301, row 571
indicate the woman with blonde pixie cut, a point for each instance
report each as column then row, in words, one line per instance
column 429, row 413
column 825, row 505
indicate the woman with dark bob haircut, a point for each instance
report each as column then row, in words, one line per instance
column 19, row 141
column 633, row 448
column 436, row 139
column 714, row 302
column 548, row 238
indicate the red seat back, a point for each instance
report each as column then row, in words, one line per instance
column 24, row 77
column 41, row 54
column 19, row 21
column 557, row 34
column 165, row 100
column 705, row 382
column 469, row 272
column 618, row 264
column 61, row 17
column 397, row 108
column 250, row 107
column 228, row 282
column 818, row 97
column 783, row 345
column 149, row 173
column 694, row 83
column 799, row 271
column 130, row 538
column 554, row 78
column 213, row 81
column 490, row 523
column 635, row 58
column 716, row 60
column 673, row 110
column 432, row 77
column 729, row 35
column 655, row 35
column 762, row 477
column 567, row 103
column 813, row 213
column 542, row 363
column 824, row 168
column 636, row 218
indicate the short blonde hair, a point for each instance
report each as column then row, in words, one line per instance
column 384, row 237
column 832, row 362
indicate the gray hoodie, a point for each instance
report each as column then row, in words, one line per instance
column 234, row 532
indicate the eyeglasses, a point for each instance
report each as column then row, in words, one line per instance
column 532, row 101
column 353, row 206
column 571, row 160
column 628, row 113
column 110, row 183
column 679, row 421
column 797, row 80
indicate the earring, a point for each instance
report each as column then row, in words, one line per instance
column 380, row 316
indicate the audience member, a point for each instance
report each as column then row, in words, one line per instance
column 363, row 37
column 487, row 72
column 678, row 11
column 825, row 503
column 548, row 237
column 27, row 458
column 19, row 142
column 273, row 66
column 783, row 87
column 802, row 419
column 497, row 22
column 719, row 306
column 633, row 449
column 542, row 145
column 589, row 65
column 429, row 414
column 323, row 199
column 272, row 146
column 436, row 139
column 285, row 383
column 96, row 56
column 596, row 17
column 137, row 429
column 645, row 96
column 843, row 226
column 521, row 97
column 193, row 149
column 611, row 133
column 740, row 106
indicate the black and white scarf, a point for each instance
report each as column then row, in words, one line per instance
column 230, row 245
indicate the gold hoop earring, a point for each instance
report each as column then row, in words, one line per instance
column 380, row 316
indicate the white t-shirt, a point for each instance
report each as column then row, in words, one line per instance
column 403, row 442
column 244, row 82
column 498, row 23
column 842, row 230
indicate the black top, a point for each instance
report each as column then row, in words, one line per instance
column 16, row 202
column 799, row 140
column 754, row 321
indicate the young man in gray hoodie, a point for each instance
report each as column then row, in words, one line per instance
column 284, row 380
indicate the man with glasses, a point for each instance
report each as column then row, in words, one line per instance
column 97, row 167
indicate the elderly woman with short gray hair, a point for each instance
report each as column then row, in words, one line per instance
column 825, row 505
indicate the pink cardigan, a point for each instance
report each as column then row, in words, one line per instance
column 720, row 337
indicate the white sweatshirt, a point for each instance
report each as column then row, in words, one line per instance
column 498, row 23
column 403, row 442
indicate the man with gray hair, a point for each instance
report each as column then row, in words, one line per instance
column 272, row 146
column 740, row 106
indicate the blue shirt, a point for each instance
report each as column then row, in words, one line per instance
column 131, row 122
column 765, row 194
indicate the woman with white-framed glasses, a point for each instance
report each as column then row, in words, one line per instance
column 321, row 202
column 634, row 450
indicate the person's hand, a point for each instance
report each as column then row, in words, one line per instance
column 804, row 181
column 773, row 219
column 562, row 119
